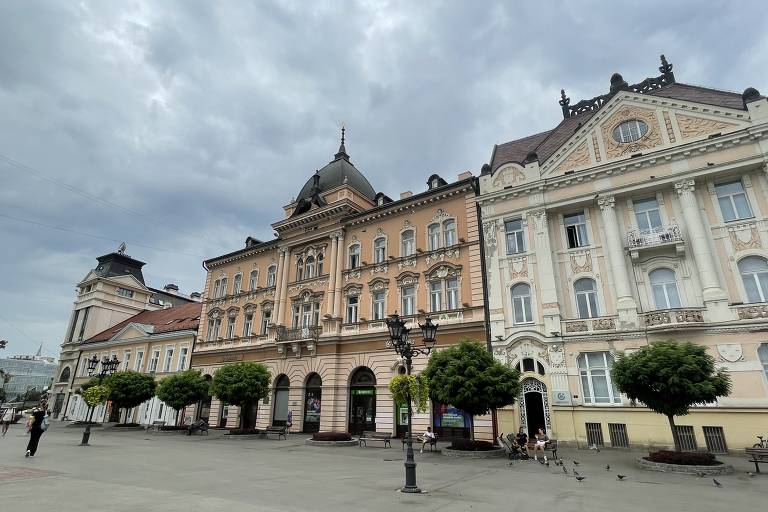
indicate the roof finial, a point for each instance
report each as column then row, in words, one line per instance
column 342, row 150
column 564, row 102
column 344, row 128
column 666, row 69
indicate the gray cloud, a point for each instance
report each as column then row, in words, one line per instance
column 208, row 117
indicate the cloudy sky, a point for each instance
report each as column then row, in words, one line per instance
column 183, row 127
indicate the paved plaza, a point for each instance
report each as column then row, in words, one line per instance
column 125, row 471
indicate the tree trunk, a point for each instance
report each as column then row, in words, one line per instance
column 675, row 437
column 471, row 427
column 177, row 418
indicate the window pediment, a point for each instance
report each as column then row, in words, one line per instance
column 353, row 290
column 443, row 270
column 407, row 278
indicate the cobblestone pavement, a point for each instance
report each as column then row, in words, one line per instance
column 124, row 471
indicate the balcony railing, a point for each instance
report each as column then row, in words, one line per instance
column 299, row 334
column 662, row 235
column 752, row 311
column 601, row 323
column 669, row 317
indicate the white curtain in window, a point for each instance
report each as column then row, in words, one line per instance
column 754, row 275
column 521, row 303
column 586, row 298
column 664, row 288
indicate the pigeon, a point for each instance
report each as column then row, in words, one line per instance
column 700, row 474
column 718, row 484
column 607, row 467
column 575, row 473
column 621, row 477
column 751, row 474
column 541, row 462
column 580, row 478
column 576, row 463
column 594, row 447
column 565, row 470
column 546, row 463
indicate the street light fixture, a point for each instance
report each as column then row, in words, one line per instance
column 407, row 350
column 108, row 367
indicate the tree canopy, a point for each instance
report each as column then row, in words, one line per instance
column 468, row 377
column 129, row 389
column 241, row 384
column 96, row 395
column 669, row 377
column 183, row 389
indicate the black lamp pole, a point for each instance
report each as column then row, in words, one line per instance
column 108, row 367
column 405, row 348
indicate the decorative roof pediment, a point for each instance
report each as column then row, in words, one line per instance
column 133, row 330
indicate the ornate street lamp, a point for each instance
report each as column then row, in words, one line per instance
column 108, row 367
column 405, row 348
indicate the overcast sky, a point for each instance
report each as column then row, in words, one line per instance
column 183, row 127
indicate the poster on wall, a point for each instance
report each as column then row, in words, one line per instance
column 312, row 408
column 448, row 416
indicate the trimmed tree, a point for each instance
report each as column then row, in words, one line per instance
column 669, row 377
column 468, row 377
column 93, row 396
column 183, row 389
column 241, row 384
column 130, row 389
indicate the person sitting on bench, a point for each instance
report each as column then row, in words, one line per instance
column 541, row 444
column 426, row 438
column 521, row 442
column 198, row 425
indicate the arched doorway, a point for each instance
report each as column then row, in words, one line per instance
column 204, row 406
column 534, row 406
column 280, row 411
column 362, row 401
column 312, row 403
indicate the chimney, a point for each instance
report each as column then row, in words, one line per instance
column 464, row 175
column 170, row 287
column 195, row 295
column 406, row 194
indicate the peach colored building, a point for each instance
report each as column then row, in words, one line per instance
column 311, row 304
column 642, row 216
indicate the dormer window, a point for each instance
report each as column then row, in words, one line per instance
column 630, row 131
column 435, row 183
column 380, row 201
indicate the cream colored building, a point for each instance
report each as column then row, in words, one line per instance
column 640, row 217
column 158, row 343
column 311, row 304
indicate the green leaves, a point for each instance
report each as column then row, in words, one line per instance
column 96, row 395
column 416, row 387
column 130, row 389
column 183, row 389
column 468, row 377
column 670, row 377
column 241, row 383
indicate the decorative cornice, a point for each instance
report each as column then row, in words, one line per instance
column 683, row 186
column 606, row 202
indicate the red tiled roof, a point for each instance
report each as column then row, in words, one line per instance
column 176, row 318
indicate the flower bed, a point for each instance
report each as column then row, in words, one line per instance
column 172, row 428
column 468, row 445
column 245, row 432
column 331, row 439
column 691, row 463
column 127, row 425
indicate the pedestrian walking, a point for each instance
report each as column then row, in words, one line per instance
column 39, row 425
column 8, row 416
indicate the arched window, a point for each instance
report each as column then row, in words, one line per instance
column 237, row 284
column 586, row 298
column 65, row 373
column 449, row 232
column 379, row 250
column 754, row 274
column 407, row 246
column 595, row 374
column 521, row 303
column 530, row 365
column 309, row 268
column 299, row 269
column 282, row 390
column 433, row 237
column 271, row 273
column 320, row 259
column 354, row 256
column 253, row 280
column 664, row 288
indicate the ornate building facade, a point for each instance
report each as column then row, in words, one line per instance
column 311, row 304
column 642, row 216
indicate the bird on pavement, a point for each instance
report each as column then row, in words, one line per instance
column 541, row 462
column 751, row 474
column 576, row 463
column 565, row 470
column 621, row 477
column 700, row 474
column 546, row 463
column 580, row 478
column 607, row 467
column 575, row 473
column 718, row 484
column 594, row 447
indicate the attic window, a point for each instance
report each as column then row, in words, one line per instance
column 380, row 201
column 435, row 183
column 630, row 131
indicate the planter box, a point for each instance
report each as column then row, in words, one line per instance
column 485, row 454
column 720, row 469
column 351, row 442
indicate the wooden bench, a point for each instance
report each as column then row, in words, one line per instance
column 550, row 446
column 156, row 425
column 198, row 426
column 384, row 437
column 417, row 441
column 277, row 430
column 759, row 456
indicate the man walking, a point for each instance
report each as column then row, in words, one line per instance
column 39, row 425
column 8, row 416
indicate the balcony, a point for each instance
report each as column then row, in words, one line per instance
column 662, row 236
column 597, row 324
column 752, row 311
column 673, row 317
column 299, row 334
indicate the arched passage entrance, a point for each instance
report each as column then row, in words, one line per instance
column 204, row 406
column 312, row 403
column 280, row 411
column 362, row 401
column 534, row 406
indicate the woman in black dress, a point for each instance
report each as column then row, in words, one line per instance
column 36, row 431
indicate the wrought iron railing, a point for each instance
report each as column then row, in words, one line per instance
column 298, row 334
column 659, row 236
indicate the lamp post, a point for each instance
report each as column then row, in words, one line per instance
column 407, row 349
column 108, row 367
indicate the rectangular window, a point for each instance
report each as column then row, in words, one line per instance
column 154, row 360
column 216, row 288
column 449, row 232
column 265, row 319
column 271, row 273
column 407, row 243
column 168, row 359
column 618, row 433
column 183, row 358
column 436, row 295
column 126, row 359
column 595, row 374
column 247, row 325
column 354, row 256
column 452, row 293
column 594, row 434
column 379, row 250
column 409, row 300
column 139, row 360
column 352, row 303
column 223, row 289
column 515, row 236
column 576, row 230
column 378, row 305
column 253, row 282
column 734, row 204
column 647, row 215
column 125, row 292
column 83, row 324
column 715, row 439
column 687, row 437
column 237, row 284
column 72, row 327
column 433, row 236
column 231, row 327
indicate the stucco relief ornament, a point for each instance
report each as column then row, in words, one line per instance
column 581, row 262
column 745, row 236
column 731, row 352
column 489, row 233
column 556, row 356
column 440, row 215
column 408, row 262
column 354, row 274
column 518, row 268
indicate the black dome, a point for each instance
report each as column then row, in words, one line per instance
column 338, row 172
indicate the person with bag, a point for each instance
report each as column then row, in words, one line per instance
column 39, row 425
column 8, row 417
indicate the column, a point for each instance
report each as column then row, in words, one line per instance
column 332, row 274
column 339, row 281
column 278, row 288
column 493, row 279
column 625, row 301
column 545, row 270
column 698, row 238
column 284, row 286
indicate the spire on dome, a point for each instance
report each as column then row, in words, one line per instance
column 342, row 150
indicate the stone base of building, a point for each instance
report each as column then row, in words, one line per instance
column 480, row 454
column 351, row 442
